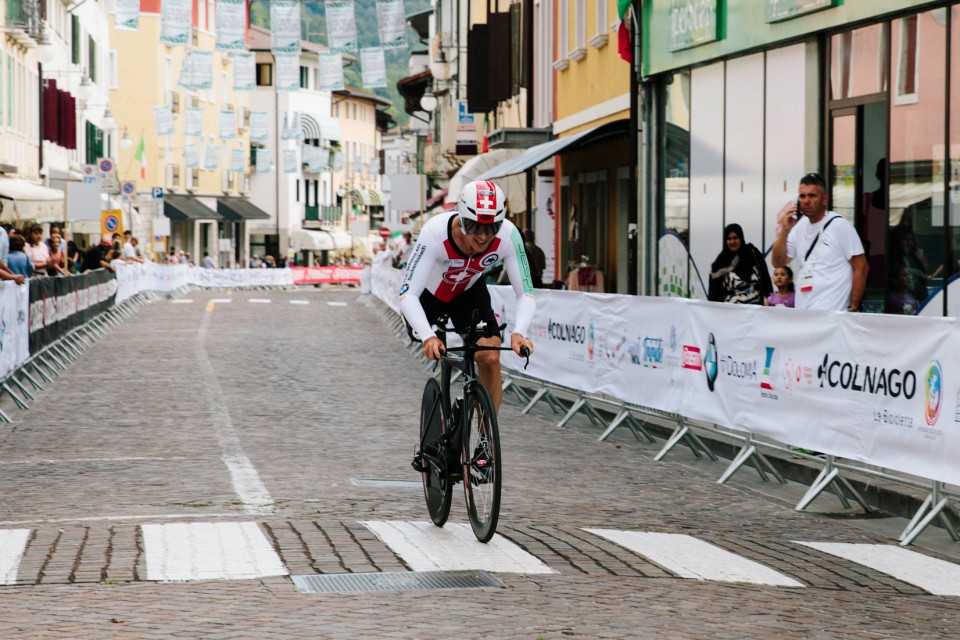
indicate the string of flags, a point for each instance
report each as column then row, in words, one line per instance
column 196, row 72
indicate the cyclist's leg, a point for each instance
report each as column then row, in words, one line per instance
column 488, row 369
column 488, row 362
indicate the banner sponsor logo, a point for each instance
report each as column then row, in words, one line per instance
column 691, row 357
column 671, row 358
column 767, row 381
column 650, row 355
column 867, row 379
column 710, row 362
column 567, row 332
column 933, row 384
column 796, row 374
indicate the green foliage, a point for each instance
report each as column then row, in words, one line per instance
column 313, row 28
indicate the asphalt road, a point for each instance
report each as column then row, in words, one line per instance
column 183, row 475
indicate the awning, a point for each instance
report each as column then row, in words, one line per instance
column 535, row 155
column 322, row 240
column 187, row 208
column 513, row 186
column 359, row 196
column 30, row 201
column 317, row 126
column 377, row 197
column 433, row 201
column 240, row 209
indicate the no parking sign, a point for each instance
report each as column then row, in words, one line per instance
column 110, row 222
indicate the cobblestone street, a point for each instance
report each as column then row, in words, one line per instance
column 288, row 419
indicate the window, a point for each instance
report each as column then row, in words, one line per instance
column 563, row 35
column 304, row 78
column 907, row 62
column 579, row 51
column 75, row 40
column 600, row 36
column 264, row 74
column 92, row 59
column 174, row 175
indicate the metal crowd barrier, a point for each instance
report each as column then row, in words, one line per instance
column 935, row 507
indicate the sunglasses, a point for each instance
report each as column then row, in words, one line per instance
column 472, row 227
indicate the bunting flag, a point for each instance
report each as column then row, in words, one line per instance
column 285, row 27
column 341, row 26
column 127, row 15
column 141, row 156
column 191, row 156
column 373, row 67
column 238, row 160
column 176, row 21
column 331, row 71
column 288, row 71
column 392, row 21
column 625, row 30
column 244, row 71
column 231, row 25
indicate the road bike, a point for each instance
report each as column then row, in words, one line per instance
column 460, row 439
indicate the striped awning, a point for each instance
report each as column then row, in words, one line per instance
column 320, row 127
column 377, row 197
column 359, row 196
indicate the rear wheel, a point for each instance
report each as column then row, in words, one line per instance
column 436, row 487
column 481, row 463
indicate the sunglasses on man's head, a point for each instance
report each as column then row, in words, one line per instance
column 472, row 227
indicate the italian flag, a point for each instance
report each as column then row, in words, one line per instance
column 625, row 30
column 142, row 157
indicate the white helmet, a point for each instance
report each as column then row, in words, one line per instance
column 482, row 202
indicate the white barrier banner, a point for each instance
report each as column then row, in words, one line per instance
column 875, row 388
column 14, row 326
column 148, row 276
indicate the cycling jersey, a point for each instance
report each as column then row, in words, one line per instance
column 437, row 265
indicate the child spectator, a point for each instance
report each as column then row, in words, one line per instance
column 17, row 261
column 784, row 294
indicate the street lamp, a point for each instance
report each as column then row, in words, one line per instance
column 86, row 90
column 107, row 123
column 44, row 51
column 429, row 101
column 126, row 141
column 439, row 68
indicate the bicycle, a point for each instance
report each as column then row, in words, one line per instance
column 460, row 440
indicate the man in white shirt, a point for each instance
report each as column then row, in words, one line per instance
column 830, row 267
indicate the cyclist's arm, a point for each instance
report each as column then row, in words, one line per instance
column 414, row 282
column 518, row 270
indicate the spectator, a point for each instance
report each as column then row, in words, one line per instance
column 830, row 264
column 207, row 262
column 17, row 261
column 185, row 259
column 130, row 252
column 96, row 257
column 739, row 274
column 404, row 247
column 535, row 258
column 900, row 299
column 36, row 249
column 255, row 262
column 57, row 264
column 784, row 294
column 381, row 253
column 904, row 251
column 71, row 251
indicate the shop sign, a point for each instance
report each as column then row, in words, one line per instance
column 778, row 10
column 692, row 23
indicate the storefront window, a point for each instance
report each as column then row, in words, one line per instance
column 915, row 241
column 859, row 62
column 673, row 258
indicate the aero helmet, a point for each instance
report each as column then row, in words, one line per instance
column 482, row 202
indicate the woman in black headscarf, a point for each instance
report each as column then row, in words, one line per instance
column 739, row 274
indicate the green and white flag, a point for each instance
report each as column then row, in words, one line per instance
column 244, row 71
column 238, row 160
column 191, row 157
column 231, row 25
column 288, row 71
column 259, row 129
column 127, row 14
column 228, row 124
column 176, row 17
column 331, row 72
column 285, row 27
column 211, row 157
column 290, row 161
column 263, row 160
column 163, row 119
column 193, row 121
column 341, row 26
column 373, row 67
column 392, row 21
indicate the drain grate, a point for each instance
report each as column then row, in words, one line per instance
column 387, row 484
column 396, row 581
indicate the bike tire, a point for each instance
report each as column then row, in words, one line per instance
column 437, row 489
column 481, row 480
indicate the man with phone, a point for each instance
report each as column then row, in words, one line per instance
column 828, row 256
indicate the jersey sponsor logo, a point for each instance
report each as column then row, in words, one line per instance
column 489, row 260
column 454, row 263
column 460, row 276
column 404, row 289
column 486, row 196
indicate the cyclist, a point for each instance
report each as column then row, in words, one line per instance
column 445, row 277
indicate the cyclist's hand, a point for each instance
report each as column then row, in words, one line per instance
column 433, row 348
column 517, row 341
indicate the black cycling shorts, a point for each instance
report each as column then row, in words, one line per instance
column 460, row 310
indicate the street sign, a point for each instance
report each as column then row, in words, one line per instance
column 157, row 193
column 128, row 189
column 110, row 222
column 384, row 232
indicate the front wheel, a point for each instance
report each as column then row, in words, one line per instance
column 436, row 486
column 481, row 463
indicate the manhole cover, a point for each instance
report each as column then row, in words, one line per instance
column 387, row 484
column 396, row 581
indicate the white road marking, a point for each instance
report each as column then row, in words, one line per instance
column 425, row 547
column 689, row 557
column 260, row 300
column 337, row 304
column 86, row 460
column 181, row 301
column 221, row 300
column 299, row 302
column 939, row 577
column 163, row 516
column 208, row 551
column 246, row 481
column 13, row 542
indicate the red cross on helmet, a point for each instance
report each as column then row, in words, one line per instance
column 482, row 202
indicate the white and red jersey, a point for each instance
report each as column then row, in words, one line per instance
column 437, row 265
